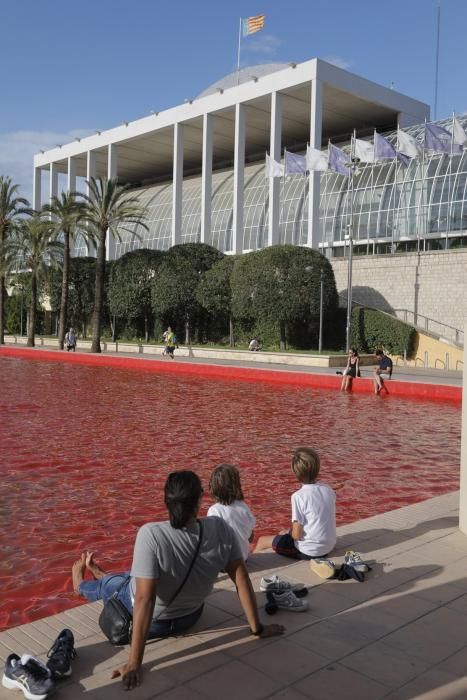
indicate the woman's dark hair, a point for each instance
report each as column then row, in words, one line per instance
column 182, row 492
column 224, row 484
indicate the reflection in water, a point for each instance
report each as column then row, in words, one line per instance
column 85, row 452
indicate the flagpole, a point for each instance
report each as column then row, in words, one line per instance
column 437, row 60
column 238, row 50
column 421, row 218
column 396, row 165
column 350, row 239
column 449, row 211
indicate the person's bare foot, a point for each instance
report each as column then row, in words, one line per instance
column 77, row 572
column 91, row 566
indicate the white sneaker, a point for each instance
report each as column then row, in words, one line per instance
column 355, row 560
column 277, row 585
column 324, row 568
column 289, row 601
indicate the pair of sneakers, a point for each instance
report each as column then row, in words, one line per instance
column 355, row 560
column 34, row 678
column 283, row 595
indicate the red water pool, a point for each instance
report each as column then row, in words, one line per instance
column 84, row 452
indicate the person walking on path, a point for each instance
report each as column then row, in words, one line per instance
column 70, row 340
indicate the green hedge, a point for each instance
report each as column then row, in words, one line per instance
column 372, row 329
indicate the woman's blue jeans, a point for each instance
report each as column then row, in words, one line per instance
column 105, row 587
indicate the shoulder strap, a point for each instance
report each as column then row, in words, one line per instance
column 200, row 523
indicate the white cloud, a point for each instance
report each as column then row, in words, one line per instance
column 263, row 43
column 17, row 149
column 339, row 62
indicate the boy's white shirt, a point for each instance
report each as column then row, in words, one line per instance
column 314, row 507
column 241, row 520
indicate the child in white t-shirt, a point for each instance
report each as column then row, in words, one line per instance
column 225, row 487
column 313, row 532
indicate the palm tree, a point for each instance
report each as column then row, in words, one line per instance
column 39, row 249
column 108, row 207
column 11, row 209
column 67, row 213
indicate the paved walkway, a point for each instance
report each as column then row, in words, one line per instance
column 401, row 635
column 401, row 373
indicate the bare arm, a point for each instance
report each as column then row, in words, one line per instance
column 297, row 530
column 239, row 575
column 145, row 597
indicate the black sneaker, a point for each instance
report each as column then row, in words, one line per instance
column 29, row 675
column 61, row 654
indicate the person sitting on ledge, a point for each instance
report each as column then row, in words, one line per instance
column 384, row 367
column 163, row 553
column 351, row 371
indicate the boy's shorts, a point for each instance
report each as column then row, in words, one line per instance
column 285, row 546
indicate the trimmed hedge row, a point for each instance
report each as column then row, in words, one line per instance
column 371, row 329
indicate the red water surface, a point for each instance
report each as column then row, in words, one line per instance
column 84, row 452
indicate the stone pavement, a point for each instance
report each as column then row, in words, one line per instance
column 401, row 635
column 401, row 373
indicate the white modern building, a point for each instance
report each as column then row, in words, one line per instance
column 199, row 166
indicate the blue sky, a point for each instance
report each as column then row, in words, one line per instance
column 71, row 68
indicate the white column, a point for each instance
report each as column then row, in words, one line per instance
column 53, row 181
column 90, row 172
column 112, row 162
column 111, row 173
column 206, row 180
column 316, row 122
column 90, row 167
column 239, row 179
column 274, row 182
column 177, row 192
column 37, row 189
column 71, row 177
column 463, row 484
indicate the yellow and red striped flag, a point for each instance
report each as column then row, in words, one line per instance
column 253, row 24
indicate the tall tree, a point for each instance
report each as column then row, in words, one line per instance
column 39, row 249
column 80, row 292
column 130, row 284
column 281, row 285
column 214, row 292
column 108, row 207
column 12, row 208
column 67, row 214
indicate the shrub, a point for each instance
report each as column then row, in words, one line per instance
column 371, row 329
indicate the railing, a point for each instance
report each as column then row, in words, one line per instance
column 430, row 325
column 420, row 322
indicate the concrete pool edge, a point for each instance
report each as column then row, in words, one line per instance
column 407, row 389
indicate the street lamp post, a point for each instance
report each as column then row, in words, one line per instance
column 21, row 289
column 21, row 311
column 321, row 298
column 349, row 290
column 353, row 166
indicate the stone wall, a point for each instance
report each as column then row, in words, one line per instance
column 433, row 284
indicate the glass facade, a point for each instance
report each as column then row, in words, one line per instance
column 398, row 208
column 395, row 208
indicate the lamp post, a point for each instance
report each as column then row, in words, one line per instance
column 21, row 289
column 353, row 166
column 321, row 297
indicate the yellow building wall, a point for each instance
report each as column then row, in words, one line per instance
column 430, row 352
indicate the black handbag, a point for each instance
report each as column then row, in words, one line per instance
column 116, row 622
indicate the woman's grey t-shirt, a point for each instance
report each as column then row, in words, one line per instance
column 165, row 553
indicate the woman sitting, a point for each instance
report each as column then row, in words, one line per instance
column 351, row 371
column 162, row 556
